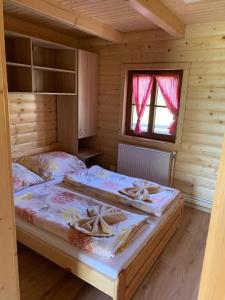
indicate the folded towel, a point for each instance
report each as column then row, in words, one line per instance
column 98, row 221
column 142, row 193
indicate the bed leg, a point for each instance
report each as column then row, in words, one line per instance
column 119, row 290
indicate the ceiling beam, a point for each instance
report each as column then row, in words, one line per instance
column 72, row 18
column 19, row 26
column 160, row 15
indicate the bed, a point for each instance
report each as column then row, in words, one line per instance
column 118, row 276
column 115, row 187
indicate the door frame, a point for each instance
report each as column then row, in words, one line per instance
column 9, row 282
column 212, row 285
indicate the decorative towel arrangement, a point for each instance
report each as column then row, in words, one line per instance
column 99, row 221
column 142, row 194
column 82, row 221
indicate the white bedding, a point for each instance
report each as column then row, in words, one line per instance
column 110, row 267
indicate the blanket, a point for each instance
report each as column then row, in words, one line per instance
column 112, row 186
column 82, row 221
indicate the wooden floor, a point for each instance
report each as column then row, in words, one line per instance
column 175, row 275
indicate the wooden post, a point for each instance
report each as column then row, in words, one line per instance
column 9, row 287
column 212, row 285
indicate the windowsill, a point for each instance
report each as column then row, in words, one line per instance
column 156, row 144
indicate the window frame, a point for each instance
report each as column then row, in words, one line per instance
column 140, row 141
column 129, row 105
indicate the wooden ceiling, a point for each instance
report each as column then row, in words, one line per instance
column 114, row 18
column 203, row 11
column 117, row 13
column 18, row 11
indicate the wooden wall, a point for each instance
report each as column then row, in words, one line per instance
column 204, row 124
column 32, row 122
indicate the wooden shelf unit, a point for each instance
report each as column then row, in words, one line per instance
column 19, row 79
column 87, row 153
column 71, row 75
column 18, row 50
column 54, row 82
column 40, row 67
column 53, row 58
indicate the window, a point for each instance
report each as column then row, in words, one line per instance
column 153, row 101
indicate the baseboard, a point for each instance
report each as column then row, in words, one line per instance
column 198, row 203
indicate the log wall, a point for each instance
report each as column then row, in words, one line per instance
column 204, row 122
column 32, row 122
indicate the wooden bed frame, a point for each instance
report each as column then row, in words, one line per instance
column 130, row 278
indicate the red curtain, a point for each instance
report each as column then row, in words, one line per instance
column 142, row 87
column 169, row 86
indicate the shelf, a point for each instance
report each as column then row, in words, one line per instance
column 46, row 82
column 21, row 92
column 19, row 79
column 86, row 153
column 40, row 68
column 57, row 94
column 50, row 58
column 53, row 69
column 9, row 63
column 18, row 50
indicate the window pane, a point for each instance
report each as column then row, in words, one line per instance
column 163, row 118
column 159, row 97
column 144, row 120
column 148, row 102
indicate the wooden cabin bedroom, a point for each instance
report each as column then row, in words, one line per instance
column 112, row 121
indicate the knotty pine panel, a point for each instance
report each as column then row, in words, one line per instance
column 32, row 121
column 204, row 122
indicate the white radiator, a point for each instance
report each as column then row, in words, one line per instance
column 145, row 163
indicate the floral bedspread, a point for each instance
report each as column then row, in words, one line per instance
column 54, row 208
column 100, row 182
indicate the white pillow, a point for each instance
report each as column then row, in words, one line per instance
column 52, row 164
column 23, row 178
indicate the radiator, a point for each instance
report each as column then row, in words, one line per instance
column 145, row 163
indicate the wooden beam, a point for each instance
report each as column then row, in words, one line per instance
column 212, row 281
column 160, row 15
column 72, row 18
column 35, row 31
column 9, row 282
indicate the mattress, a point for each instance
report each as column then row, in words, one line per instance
column 100, row 182
column 110, row 267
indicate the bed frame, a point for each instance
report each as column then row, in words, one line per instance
column 130, row 278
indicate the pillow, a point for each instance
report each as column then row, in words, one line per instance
column 52, row 164
column 22, row 177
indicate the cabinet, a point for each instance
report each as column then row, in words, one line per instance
column 87, row 93
column 39, row 67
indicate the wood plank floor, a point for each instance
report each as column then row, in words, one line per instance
column 175, row 275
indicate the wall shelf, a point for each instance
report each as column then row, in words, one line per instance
column 86, row 153
column 19, row 79
column 56, row 94
column 63, row 79
column 55, row 58
column 40, row 67
column 53, row 69
column 18, row 50
column 8, row 63
column 54, row 82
